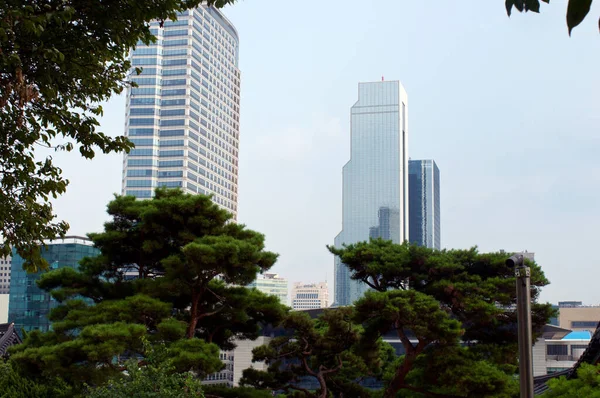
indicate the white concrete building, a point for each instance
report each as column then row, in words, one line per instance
column 558, row 349
column 272, row 284
column 306, row 296
column 236, row 361
column 5, row 275
column 184, row 114
column 4, row 307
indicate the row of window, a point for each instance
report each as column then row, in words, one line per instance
column 153, row 91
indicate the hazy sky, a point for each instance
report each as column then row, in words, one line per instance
column 508, row 108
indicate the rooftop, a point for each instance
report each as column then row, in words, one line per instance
column 579, row 335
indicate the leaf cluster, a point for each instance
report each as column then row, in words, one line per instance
column 586, row 384
column 58, row 61
column 577, row 10
column 157, row 378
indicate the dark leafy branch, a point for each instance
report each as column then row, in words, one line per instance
column 577, row 10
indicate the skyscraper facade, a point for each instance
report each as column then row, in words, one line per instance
column 375, row 179
column 183, row 116
column 424, row 203
column 29, row 306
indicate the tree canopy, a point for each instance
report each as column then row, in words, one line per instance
column 577, row 10
column 59, row 60
column 171, row 270
column 453, row 311
column 586, row 384
column 158, row 378
column 325, row 350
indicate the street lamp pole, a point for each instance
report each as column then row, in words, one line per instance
column 523, row 273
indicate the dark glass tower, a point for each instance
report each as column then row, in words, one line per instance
column 424, row 203
column 28, row 305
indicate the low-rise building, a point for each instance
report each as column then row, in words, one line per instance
column 558, row 349
column 272, row 284
column 576, row 316
column 308, row 296
column 8, row 337
column 236, row 361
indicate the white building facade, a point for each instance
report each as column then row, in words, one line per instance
column 5, row 274
column 183, row 116
column 273, row 285
column 236, row 361
column 306, row 296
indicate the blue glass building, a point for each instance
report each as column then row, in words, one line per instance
column 375, row 179
column 424, row 203
column 28, row 305
column 184, row 114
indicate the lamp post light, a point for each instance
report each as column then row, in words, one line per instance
column 522, row 273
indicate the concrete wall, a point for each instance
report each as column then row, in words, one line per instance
column 539, row 357
column 4, row 308
column 243, row 357
column 569, row 314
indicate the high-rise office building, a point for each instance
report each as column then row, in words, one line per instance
column 183, row 116
column 5, row 275
column 424, row 203
column 273, row 285
column 308, row 296
column 29, row 306
column 375, row 179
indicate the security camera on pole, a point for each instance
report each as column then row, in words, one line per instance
column 522, row 272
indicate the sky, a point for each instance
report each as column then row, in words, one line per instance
column 509, row 108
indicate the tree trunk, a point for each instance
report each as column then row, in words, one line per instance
column 323, row 385
column 191, row 332
column 398, row 381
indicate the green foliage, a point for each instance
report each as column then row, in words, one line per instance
column 443, row 298
column 13, row 385
column 195, row 355
column 178, row 245
column 577, row 10
column 157, row 378
column 59, row 61
column 88, row 357
column 325, row 349
column 236, row 392
column 458, row 371
column 586, row 384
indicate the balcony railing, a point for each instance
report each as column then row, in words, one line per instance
column 562, row 357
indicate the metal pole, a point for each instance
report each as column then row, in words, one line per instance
column 524, row 325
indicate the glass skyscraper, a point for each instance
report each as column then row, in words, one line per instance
column 424, row 203
column 28, row 305
column 183, row 116
column 375, row 179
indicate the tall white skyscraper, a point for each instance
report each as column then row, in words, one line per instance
column 183, row 116
column 375, row 179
